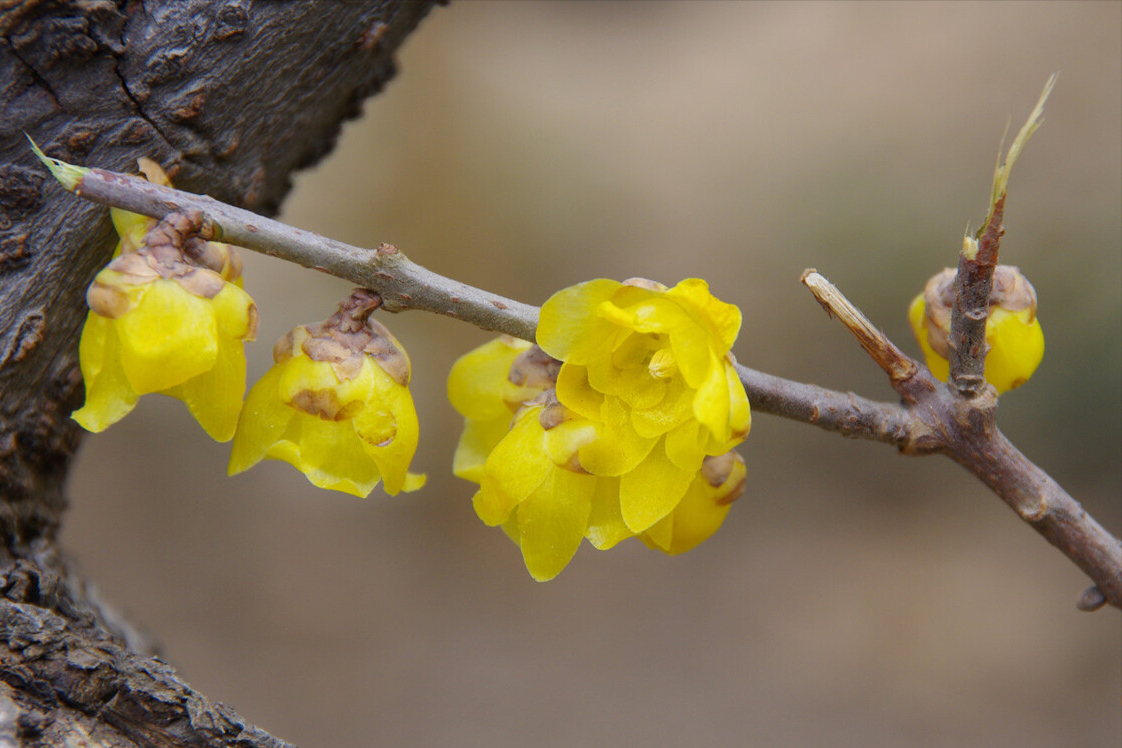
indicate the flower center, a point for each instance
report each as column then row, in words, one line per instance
column 662, row 364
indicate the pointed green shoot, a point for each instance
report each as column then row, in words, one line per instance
column 1001, row 173
column 67, row 175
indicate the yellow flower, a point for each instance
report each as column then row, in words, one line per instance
column 622, row 439
column 336, row 406
column 158, row 324
column 650, row 368
column 1013, row 333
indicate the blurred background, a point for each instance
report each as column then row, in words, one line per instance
column 855, row 597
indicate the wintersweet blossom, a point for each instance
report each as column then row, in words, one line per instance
column 335, row 405
column 160, row 324
column 554, row 470
column 167, row 315
column 1013, row 332
column 650, row 368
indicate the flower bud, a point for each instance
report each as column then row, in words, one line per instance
column 1013, row 334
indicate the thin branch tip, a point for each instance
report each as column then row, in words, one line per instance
column 1091, row 600
column 68, row 175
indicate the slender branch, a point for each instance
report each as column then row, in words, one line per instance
column 402, row 283
column 932, row 419
column 843, row 412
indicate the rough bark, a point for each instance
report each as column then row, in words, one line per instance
column 233, row 97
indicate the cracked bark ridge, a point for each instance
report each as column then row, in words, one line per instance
column 231, row 98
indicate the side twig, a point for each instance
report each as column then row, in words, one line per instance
column 965, row 429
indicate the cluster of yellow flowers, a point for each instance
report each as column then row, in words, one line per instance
column 619, row 423
column 168, row 315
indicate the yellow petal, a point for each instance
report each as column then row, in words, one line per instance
column 660, row 535
column 328, row 453
column 109, row 396
column 616, row 450
column 1016, row 348
column 262, row 422
column 675, row 408
column 563, row 441
column 685, row 445
column 740, row 412
column 168, row 338
column 235, row 313
column 938, row 365
column 516, row 467
column 693, row 521
column 652, row 490
column 711, row 403
column 605, row 521
column 552, row 521
column 568, row 318
column 215, row 396
column 477, row 441
column 575, row 392
column 475, row 384
column 414, row 482
column 722, row 319
column 392, row 457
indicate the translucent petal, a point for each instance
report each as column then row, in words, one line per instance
column 477, row 441
column 235, row 313
column 939, row 366
column 328, row 453
column 475, row 383
column 392, row 458
column 552, row 522
column 215, row 396
column 660, row 535
column 263, row 421
column 568, row 316
column 639, row 389
column 685, row 445
column 675, row 408
column 109, row 396
column 693, row 521
column 693, row 352
column 721, row 318
column 659, row 315
column 563, row 441
column 615, row 451
column 711, row 403
column 605, row 522
column 1016, row 348
column 576, row 394
column 516, row 467
column 602, row 376
column 93, row 343
column 414, row 482
column 168, row 338
column 740, row 412
column 652, row 490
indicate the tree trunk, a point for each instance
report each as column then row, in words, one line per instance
column 231, row 97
